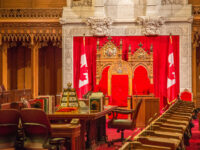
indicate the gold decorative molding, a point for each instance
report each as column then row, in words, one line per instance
column 106, row 55
column 23, row 13
column 111, row 55
column 142, row 58
column 31, row 25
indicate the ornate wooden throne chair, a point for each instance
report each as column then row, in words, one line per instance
column 142, row 67
column 118, row 74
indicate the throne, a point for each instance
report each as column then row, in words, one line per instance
column 141, row 62
column 110, row 70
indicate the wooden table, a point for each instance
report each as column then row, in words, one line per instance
column 93, row 124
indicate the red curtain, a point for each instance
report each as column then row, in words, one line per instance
column 160, row 51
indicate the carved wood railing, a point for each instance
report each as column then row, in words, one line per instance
column 30, row 13
column 31, row 25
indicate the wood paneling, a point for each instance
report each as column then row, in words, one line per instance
column 58, row 67
column 32, row 3
column 28, row 79
column 50, row 70
column 19, row 68
column 0, row 66
column 16, row 4
column 49, row 3
column 194, row 2
column 149, row 108
column 198, row 71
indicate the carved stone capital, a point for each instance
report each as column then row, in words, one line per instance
column 99, row 26
column 151, row 24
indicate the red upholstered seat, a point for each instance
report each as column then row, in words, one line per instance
column 141, row 82
column 186, row 95
column 37, row 130
column 9, row 120
column 119, row 90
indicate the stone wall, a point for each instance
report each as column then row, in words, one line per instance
column 129, row 18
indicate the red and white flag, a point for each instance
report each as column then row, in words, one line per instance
column 171, row 78
column 83, row 80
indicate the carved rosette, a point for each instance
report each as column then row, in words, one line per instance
column 151, row 24
column 99, row 26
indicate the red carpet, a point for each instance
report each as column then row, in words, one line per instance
column 113, row 134
column 195, row 140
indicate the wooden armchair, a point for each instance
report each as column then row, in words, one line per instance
column 124, row 124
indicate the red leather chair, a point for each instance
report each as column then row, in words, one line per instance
column 37, row 131
column 186, row 95
column 9, row 121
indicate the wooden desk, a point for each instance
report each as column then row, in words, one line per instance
column 149, row 107
column 93, row 124
column 68, row 131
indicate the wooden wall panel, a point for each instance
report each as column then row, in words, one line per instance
column 58, row 67
column 12, row 68
column 28, row 72
column 50, row 70
column 20, row 68
column 41, row 71
column 32, row 3
column 194, row 2
column 16, row 4
column 1, row 66
column 49, row 3
column 198, row 70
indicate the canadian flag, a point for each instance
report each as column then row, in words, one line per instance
column 171, row 78
column 83, row 80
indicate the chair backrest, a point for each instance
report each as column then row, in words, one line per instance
column 137, row 108
column 141, row 82
column 186, row 95
column 35, row 122
column 9, row 121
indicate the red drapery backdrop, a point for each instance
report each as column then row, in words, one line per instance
column 160, row 46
